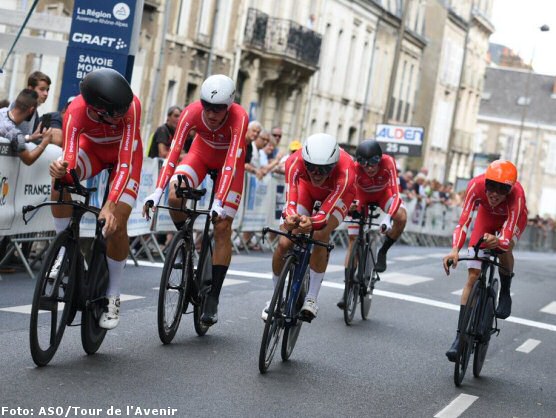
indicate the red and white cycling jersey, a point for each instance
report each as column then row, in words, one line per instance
column 509, row 217
column 222, row 148
column 92, row 146
column 380, row 187
column 336, row 193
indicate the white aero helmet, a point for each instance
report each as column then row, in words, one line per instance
column 218, row 90
column 320, row 151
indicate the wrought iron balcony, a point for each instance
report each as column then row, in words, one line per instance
column 283, row 37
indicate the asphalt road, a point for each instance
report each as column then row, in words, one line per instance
column 392, row 365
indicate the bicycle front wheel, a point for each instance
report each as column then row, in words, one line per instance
column 467, row 334
column 371, row 277
column 275, row 319
column 291, row 331
column 52, row 299
column 92, row 335
column 351, row 290
column 487, row 325
column 172, row 300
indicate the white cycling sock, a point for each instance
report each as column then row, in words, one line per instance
column 315, row 280
column 60, row 224
column 115, row 273
column 275, row 279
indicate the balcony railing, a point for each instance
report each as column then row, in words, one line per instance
column 282, row 36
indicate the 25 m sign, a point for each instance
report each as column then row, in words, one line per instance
column 400, row 140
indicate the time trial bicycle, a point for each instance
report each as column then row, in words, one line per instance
column 288, row 297
column 361, row 276
column 181, row 283
column 73, row 277
column 479, row 320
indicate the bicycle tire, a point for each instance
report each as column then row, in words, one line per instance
column 274, row 325
column 351, row 288
column 366, row 293
column 487, row 324
column 92, row 335
column 48, row 295
column 200, row 327
column 172, row 301
column 291, row 332
column 467, row 334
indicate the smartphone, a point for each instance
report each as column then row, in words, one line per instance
column 45, row 121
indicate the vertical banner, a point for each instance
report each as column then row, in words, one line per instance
column 103, row 34
column 9, row 168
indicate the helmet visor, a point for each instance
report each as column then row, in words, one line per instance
column 374, row 160
column 213, row 107
column 319, row 169
column 498, row 188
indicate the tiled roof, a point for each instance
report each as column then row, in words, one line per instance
column 503, row 87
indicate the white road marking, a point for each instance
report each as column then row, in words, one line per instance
column 403, row 279
column 26, row 309
column 436, row 255
column 409, row 257
column 528, row 346
column 457, row 407
column 550, row 308
column 458, row 292
column 392, row 295
column 331, row 268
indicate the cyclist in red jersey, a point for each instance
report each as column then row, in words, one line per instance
column 501, row 219
column 101, row 129
column 219, row 143
column 377, row 182
column 319, row 171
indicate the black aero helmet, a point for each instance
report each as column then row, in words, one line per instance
column 368, row 152
column 107, row 90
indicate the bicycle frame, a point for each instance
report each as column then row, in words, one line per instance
column 364, row 239
column 301, row 252
column 188, row 193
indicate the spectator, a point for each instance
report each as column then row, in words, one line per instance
column 4, row 103
column 253, row 130
column 269, row 163
column 40, row 83
column 25, row 105
column 276, row 133
column 162, row 137
column 56, row 121
column 293, row 147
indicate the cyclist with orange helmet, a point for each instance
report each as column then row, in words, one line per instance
column 501, row 219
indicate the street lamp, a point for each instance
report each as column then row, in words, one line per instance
column 543, row 28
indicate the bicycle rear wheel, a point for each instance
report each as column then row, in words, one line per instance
column 203, row 284
column 52, row 299
column 291, row 331
column 351, row 290
column 275, row 320
column 92, row 335
column 467, row 334
column 172, row 301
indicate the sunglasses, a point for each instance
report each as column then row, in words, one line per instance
column 319, row 169
column 211, row 107
column 498, row 188
column 102, row 113
column 369, row 162
column 277, row 135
